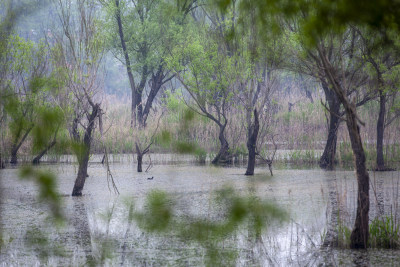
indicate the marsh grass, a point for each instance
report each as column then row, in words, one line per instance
column 384, row 232
column 303, row 131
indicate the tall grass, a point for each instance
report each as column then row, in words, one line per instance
column 303, row 130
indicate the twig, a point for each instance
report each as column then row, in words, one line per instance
column 150, row 165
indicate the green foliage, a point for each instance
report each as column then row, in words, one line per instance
column 238, row 211
column 79, row 149
column 158, row 212
column 41, row 244
column 384, row 233
column 49, row 120
column 321, row 17
column 343, row 233
column 302, row 156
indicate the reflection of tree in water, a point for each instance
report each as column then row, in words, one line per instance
column 331, row 238
column 339, row 211
column 378, row 197
column 80, row 222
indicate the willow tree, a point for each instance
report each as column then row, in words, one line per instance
column 78, row 53
column 383, row 66
column 136, row 31
column 209, row 77
column 324, row 17
column 28, row 87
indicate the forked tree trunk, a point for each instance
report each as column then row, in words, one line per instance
column 83, row 157
column 224, row 156
column 140, row 154
column 251, row 144
column 327, row 160
column 380, row 128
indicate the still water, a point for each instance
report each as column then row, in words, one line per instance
column 97, row 227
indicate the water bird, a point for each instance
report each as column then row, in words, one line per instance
column 150, row 178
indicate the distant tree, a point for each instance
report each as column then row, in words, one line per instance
column 28, row 86
column 344, row 52
column 140, row 28
column 384, row 65
column 209, row 76
column 322, row 18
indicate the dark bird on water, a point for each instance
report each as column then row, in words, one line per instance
column 150, row 178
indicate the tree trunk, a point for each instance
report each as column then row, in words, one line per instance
column 327, row 160
column 139, row 109
column 133, row 109
column 82, row 171
column 36, row 160
column 16, row 145
column 139, row 162
column 359, row 235
column 127, row 61
column 380, row 128
column 139, row 158
column 223, row 156
column 83, row 158
column 251, row 144
column 156, row 83
column 2, row 166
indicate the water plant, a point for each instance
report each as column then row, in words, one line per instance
column 384, row 232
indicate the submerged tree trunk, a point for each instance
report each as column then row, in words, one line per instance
column 251, row 144
column 380, row 128
column 327, row 160
column 2, row 166
column 359, row 235
column 139, row 158
column 83, row 157
column 224, row 156
column 139, row 162
column 16, row 146
column 140, row 153
column 36, row 160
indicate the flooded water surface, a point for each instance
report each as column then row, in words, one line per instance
column 98, row 229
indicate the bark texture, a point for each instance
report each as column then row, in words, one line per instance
column 83, row 157
column 37, row 159
column 360, row 233
column 380, row 128
column 327, row 160
column 17, row 144
column 224, row 156
column 251, row 144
